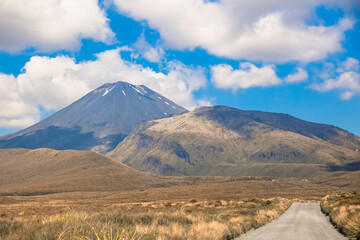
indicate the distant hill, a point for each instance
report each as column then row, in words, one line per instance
column 97, row 121
column 226, row 141
column 43, row 171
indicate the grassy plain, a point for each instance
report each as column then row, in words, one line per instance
column 192, row 219
column 48, row 194
column 184, row 208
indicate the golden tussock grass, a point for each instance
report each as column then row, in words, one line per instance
column 344, row 211
column 170, row 220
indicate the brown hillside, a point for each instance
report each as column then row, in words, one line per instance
column 47, row 170
column 342, row 179
column 226, row 141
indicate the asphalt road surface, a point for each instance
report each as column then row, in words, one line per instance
column 302, row 221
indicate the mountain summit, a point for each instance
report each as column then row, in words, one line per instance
column 98, row 121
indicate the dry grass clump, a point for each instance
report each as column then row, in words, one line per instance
column 192, row 200
column 193, row 220
column 70, row 225
column 344, row 211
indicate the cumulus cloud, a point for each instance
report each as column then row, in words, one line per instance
column 51, row 25
column 152, row 54
column 347, row 82
column 254, row 30
column 53, row 83
column 14, row 110
column 248, row 75
column 349, row 64
column 347, row 95
column 299, row 76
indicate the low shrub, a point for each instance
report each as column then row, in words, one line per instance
column 344, row 211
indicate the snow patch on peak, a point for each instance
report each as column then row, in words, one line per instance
column 137, row 90
column 123, row 92
column 159, row 97
column 107, row 91
column 142, row 89
column 167, row 103
column 173, row 107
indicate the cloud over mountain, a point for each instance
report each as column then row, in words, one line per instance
column 276, row 31
column 53, row 83
column 346, row 78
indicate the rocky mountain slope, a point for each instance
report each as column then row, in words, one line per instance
column 230, row 142
column 98, row 121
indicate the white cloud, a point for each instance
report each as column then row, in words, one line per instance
column 205, row 102
column 152, row 54
column 248, row 75
column 347, row 82
column 253, row 30
column 299, row 76
column 56, row 82
column 347, row 95
column 349, row 64
column 14, row 111
column 51, row 25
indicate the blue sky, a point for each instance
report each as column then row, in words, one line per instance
column 295, row 57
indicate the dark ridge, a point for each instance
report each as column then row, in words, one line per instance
column 156, row 163
column 237, row 120
column 355, row 166
column 60, row 139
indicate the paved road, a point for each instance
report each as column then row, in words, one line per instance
column 302, row 221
